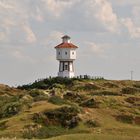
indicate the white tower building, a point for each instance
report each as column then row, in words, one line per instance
column 66, row 54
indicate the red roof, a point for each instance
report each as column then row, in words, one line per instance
column 66, row 45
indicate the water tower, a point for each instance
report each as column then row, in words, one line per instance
column 66, row 54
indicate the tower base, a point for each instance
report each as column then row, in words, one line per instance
column 66, row 74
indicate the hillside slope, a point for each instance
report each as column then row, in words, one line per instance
column 71, row 109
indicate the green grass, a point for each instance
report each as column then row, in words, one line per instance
column 101, row 122
column 93, row 137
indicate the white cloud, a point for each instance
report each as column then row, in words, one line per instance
column 30, row 36
column 133, row 30
column 103, row 11
column 5, row 5
column 21, row 56
column 38, row 14
column 57, row 7
column 2, row 36
column 14, row 22
column 54, row 37
column 136, row 14
column 95, row 48
column 136, row 10
column 125, row 2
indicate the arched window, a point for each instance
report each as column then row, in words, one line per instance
column 66, row 53
column 73, row 53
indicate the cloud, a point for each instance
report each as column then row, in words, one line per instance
column 19, row 55
column 57, row 7
column 95, row 48
column 133, row 30
column 125, row 2
column 136, row 14
column 30, row 36
column 5, row 5
column 136, row 11
column 2, row 36
column 55, row 35
column 38, row 14
column 103, row 11
column 53, row 38
column 14, row 19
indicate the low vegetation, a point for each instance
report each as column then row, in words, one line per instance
column 78, row 108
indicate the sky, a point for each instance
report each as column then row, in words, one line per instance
column 107, row 33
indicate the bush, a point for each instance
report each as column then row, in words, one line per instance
column 125, row 118
column 110, row 85
column 106, row 93
column 39, row 118
column 92, row 123
column 48, row 83
column 74, row 97
column 3, row 125
column 57, row 100
column 137, row 120
column 33, row 131
column 10, row 109
column 132, row 100
column 130, row 119
column 65, row 116
column 130, row 90
column 59, row 80
column 87, row 87
column 38, row 95
column 35, row 93
column 60, row 86
column 91, row 103
column 137, row 85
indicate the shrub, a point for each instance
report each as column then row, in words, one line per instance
column 39, row 118
column 3, row 125
column 87, row 87
column 125, row 118
column 106, row 93
column 48, row 83
column 110, row 85
column 130, row 119
column 91, row 103
column 130, row 90
column 35, row 93
column 137, row 120
column 92, row 123
column 60, row 86
column 74, row 97
column 10, row 109
column 132, row 100
column 65, row 116
column 38, row 95
column 137, row 85
column 57, row 100
column 42, row 132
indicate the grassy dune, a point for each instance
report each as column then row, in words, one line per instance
column 71, row 109
column 93, row 137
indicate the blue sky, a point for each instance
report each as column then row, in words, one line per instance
column 106, row 31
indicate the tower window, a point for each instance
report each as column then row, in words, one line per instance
column 66, row 53
column 59, row 53
column 73, row 53
column 66, row 67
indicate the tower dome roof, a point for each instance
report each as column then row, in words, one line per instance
column 66, row 45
